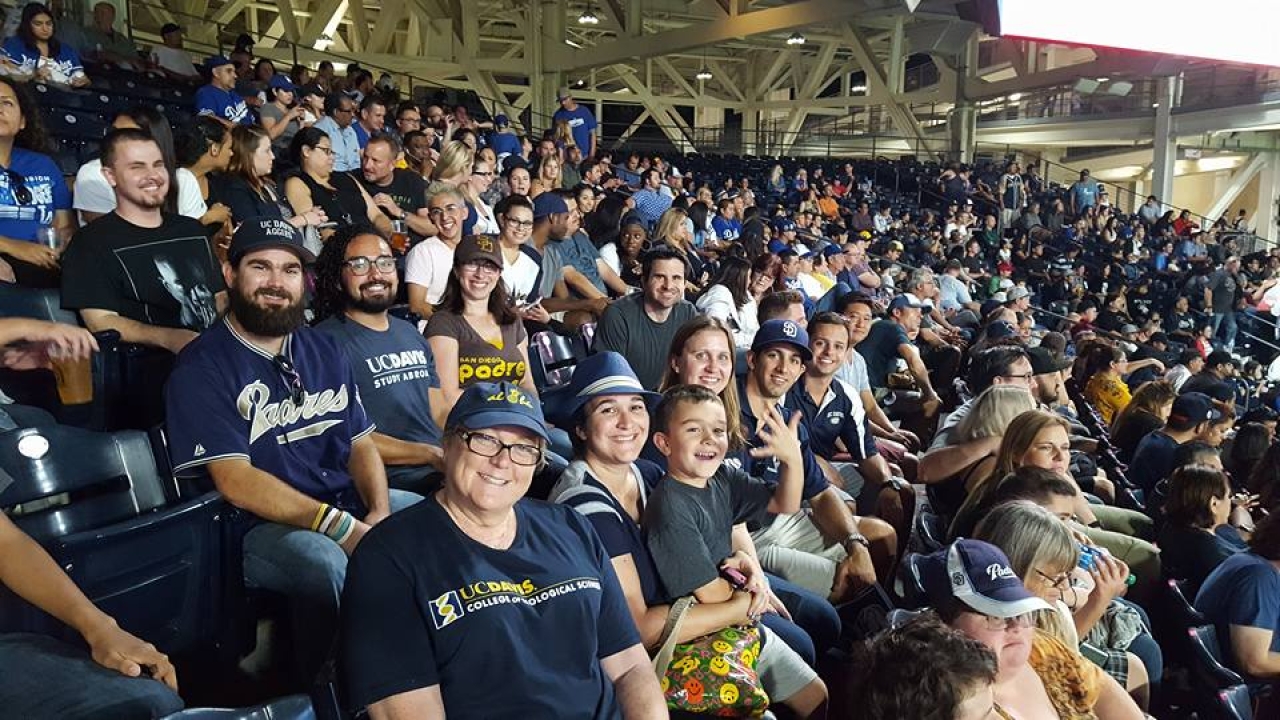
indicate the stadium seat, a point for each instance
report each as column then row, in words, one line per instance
column 129, row 383
column 95, row 501
column 75, row 124
column 1206, row 663
column 293, row 707
column 52, row 96
column 554, row 360
column 900, row 616
column 908, row 585
column 1235, row 703
column 17, row 301
column 931, row 531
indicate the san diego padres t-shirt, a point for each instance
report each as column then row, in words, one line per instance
column 478, row 359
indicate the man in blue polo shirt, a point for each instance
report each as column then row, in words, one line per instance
column 837, row 421
column 219, row 99
column 649, row 201
column 270, row 410
column 795, row 546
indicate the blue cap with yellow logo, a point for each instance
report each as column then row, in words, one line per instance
column 491, row 405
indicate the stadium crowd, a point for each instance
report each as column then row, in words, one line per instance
column 795, row 391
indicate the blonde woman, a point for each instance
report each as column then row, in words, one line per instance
column 455, row 164
column 1045, row 554
column 676, row 230
column 473, row 187
column 992, row 413
column 546, row 176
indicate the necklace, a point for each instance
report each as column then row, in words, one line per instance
column 501, row 540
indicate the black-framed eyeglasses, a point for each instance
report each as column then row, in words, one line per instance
column 486, row 445
column 360, row 264
column 521, row 224
column 1025, row 377
column 482, row 173
column 17, row 183
column 1060, row 583
column 297, row 392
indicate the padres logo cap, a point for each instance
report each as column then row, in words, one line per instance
column 478, row 247
column 784, row 332
column 491, row 405
column 977, row 574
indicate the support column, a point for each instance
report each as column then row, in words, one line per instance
column 1165, row 147
column 546, row 29
column 1266, row 222
column 897, row 58
column 962, row 124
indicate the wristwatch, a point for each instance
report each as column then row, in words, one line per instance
column 854, row 538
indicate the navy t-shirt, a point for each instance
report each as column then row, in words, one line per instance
column 1244, row 590
column 227, row 399
column 393, row 369
column 1153, row 460
column 621, row 535
column 767, row 468
column 880, row 350
column 503, row 633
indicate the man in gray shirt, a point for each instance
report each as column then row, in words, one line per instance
column 641, row 326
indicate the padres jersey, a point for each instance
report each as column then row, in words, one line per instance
column 840, row 416
column 227, row 398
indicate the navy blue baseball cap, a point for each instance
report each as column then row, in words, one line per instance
column 605, row 373
column 217, row 61
column 281, row 82
column 977, row 574
column 549, row 203
column 501, row 120
column 832, row 249
column 1001, row 329
column 263, row 233
column 1193, row 408
column 907, row 300
column 786, row 332
column 491, row 405
column 784, row 225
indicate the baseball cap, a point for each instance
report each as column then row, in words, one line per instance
column 906, row 301
column 1158, row 337
column 491, row 405
column 548, row 203
column 1004, row 267
column 832, row 249
column 282, row 82
column 477, row 247
column 1219, row 357
column 788, row 332
column 1045, row 361
column 605, row 373
column 977, row 574
column 217, row 61
column 501, row 120
column 563, row 93
column 1193, row 408
column 263, row 233
column 1128, row 329
column 311, row 89
column 784, row 225
column 895, row 245
column 169, row 28
column 1017, row 292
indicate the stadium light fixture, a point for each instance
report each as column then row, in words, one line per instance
column 588, row 17
column 796, row 39
column 703, row 74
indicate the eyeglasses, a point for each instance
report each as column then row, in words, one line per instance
column 297, row 393
column 440, row 211
column 21, row 193
column 323, row 149
column 485, row 173
column 479, row 267
column 1025, row 377
column 995, row 624
column 1060, row 583
column 489, row 446
column 360, row 264
column 519, row 224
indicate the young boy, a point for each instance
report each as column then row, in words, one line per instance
column 691, row 514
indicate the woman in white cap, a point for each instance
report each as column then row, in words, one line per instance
column 479, row 603
column 973, row 589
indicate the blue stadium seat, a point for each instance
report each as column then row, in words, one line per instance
column 909, row 586
column 293, row 707
column 96, row 502
column 87, row 99
column 45, row 304
column 931, row 530
column 1207, row 665
column 553, row 359
column 1235, row 703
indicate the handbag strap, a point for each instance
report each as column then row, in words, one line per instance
column 671, row 631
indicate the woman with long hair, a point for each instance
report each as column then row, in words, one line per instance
column 32, row 192
column 546, row 175
column 248, row 189
column 475, row 185
column 281, row 116
column 1202, row 526
column 766, row 274
column 1247, row 449
column 455, row 164
column 1146, row 411
column 603, row 224
column 474, row 334
column 343, row 200
column 35, row 53
column 729, row 300
column 1104, row 366
column 675, row 229
column 992, row 414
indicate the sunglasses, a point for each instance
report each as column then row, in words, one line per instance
column 21, row 193
column 297, row 393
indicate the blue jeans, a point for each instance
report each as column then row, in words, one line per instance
column 308, row 568
column 1226, row 321
column 814, row 627
column 43, row 678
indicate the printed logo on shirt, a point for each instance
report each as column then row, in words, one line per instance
column 393, row 368
column 199, row 451
column 489, row 369
column 265, row 416
column 474, row 597
column 835, row 418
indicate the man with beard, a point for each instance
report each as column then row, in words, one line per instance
column 428, row 264
column 271, row 411
column 148, row 275
column 640, row 327
column 821, row 549
column 355, row 284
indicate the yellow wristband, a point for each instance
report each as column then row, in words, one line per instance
column 315, row 524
